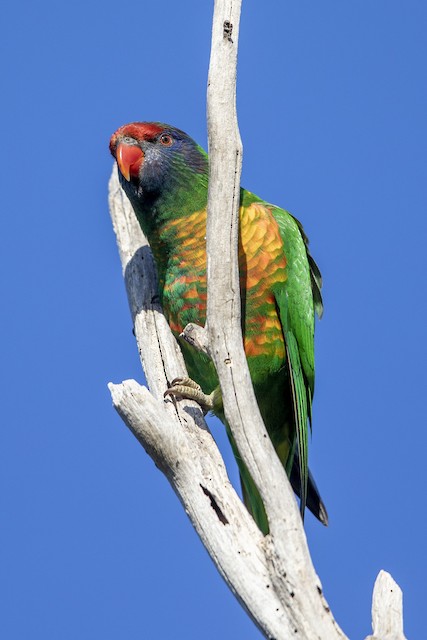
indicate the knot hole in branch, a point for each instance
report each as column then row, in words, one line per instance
column 228, row 30
column 215, row 506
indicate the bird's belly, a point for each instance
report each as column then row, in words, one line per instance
column 262, row 266
column 184, row 300
column 263, row 335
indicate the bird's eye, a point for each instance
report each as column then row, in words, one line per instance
column 166, row 140
column 129, row 140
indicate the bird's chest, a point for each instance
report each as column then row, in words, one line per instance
column 262, row 266
column 263, row 270
column 184, row 292
column 180, row 255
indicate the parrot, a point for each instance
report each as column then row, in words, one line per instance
column 164, row 174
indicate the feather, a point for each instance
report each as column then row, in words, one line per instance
column 300, row 394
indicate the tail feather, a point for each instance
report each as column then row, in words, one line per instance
column 254, row 504
column 253, row 501
column 314, row 502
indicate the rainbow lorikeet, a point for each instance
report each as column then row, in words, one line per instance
column 165, row 176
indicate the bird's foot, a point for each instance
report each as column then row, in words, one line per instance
column 190, row 390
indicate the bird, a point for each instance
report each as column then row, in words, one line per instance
column 164, row 173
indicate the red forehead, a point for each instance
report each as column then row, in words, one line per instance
column 137, row 131
column 141, row 130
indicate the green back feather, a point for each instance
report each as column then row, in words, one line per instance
column 297, row 299
column 300, row 397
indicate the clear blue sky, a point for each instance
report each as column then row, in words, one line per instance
column 332, row 104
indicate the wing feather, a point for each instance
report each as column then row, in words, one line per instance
column 298, row 298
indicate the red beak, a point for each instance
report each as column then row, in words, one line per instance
column 129, row 158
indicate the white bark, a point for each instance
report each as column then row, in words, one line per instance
column 272, row 577
column 387, row 609
column 179, row 442
column 177, row 439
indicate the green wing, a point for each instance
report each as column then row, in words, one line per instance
column 315, row 275
column 297, row 299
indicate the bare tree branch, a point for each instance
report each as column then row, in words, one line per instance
column 179, row 442
column 387, row 610
column 291, row 570
column 272, row 576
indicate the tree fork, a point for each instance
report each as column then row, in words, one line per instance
column 273, row 576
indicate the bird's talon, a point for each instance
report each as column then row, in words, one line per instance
column 188, row 389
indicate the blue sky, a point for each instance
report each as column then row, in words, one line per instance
column 332, row 104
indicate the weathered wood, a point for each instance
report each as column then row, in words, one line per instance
column 160, row 355
column 272, row 577
column 292, row 573
column 387, row 609
column 178, row 440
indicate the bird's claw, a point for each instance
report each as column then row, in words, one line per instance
column 190, row 390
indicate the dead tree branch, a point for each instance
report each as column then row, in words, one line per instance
column 273, row 576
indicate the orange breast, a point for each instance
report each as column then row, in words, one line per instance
column 262, row 268
column 262, row 264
